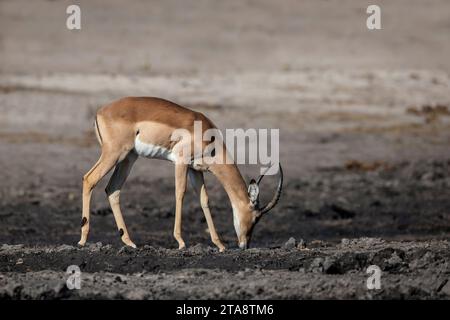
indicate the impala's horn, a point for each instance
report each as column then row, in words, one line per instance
column 277, row 194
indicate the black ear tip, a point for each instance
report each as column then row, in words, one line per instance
column 252, row 181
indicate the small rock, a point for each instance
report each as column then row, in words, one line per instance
column 199, row 249
column 106, row 247
column 316, row 265
column 394, row 260
column 95, row 246
column 290, row 244
column 126, row 249
column 301, row 244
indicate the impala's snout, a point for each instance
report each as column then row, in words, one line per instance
column 245, row 240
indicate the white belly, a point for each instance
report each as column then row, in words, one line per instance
column 149, row 150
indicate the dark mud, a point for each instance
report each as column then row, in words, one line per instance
column 409, row 270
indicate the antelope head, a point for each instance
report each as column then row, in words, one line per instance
column 245, row 225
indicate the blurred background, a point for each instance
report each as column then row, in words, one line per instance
column 363, row 114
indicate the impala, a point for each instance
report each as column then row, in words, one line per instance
column 133, row 127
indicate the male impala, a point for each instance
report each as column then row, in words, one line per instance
column 132, row 127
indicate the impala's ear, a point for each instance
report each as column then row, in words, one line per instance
column 253, row 192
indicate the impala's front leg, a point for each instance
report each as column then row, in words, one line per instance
column 180, row 189
column 198, row 183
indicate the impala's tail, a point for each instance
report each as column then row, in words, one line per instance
column 97, row 131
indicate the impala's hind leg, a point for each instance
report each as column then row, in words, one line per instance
column 198, row 183
column 180, row 190
column 116, row 182
column 106, row 162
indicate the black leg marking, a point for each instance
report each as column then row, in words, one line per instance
column 120, row 232
column 83, row 221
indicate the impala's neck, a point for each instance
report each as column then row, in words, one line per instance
column 232, row 181
column 236, row 188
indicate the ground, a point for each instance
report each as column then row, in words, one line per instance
column 364, row 123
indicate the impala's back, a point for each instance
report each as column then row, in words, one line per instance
column 146, row 124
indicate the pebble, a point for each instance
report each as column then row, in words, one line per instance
column 290, row 244
column 301, row 244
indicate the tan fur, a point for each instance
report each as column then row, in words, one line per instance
column 154, row 120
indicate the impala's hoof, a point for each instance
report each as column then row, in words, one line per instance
column 128, row 242
column 222, row 249
column 81, row 243
column 182, row 246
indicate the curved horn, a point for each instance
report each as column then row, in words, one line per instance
column 277, row 194
column 262, row 176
